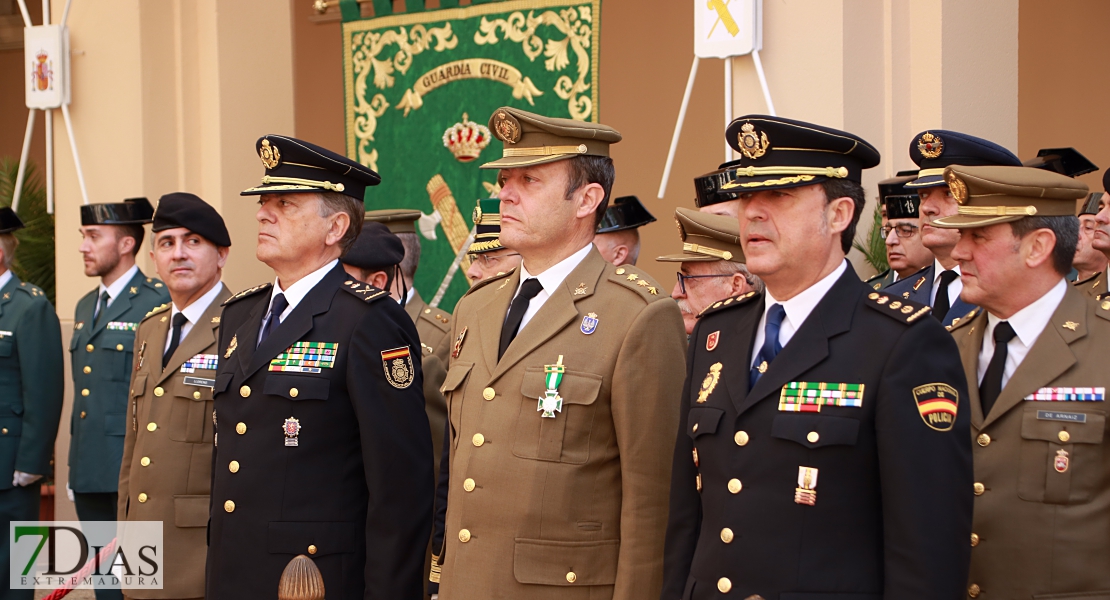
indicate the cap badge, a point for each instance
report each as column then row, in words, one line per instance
column 269, row 154
column 508, row 129
column 477, row 215
column 930, row 146
column 957, row 187
column 751, row 145
column 466, row 139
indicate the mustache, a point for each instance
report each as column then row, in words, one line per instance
column 684, row 307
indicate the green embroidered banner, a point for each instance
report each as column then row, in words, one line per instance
column 420, row 88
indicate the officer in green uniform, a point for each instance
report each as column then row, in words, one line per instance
column 102, row 349
column 31, row 384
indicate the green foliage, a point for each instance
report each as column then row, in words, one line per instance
column 34, row 259
column 873, row 246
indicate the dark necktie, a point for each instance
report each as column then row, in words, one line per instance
column 528, row 290
column 942, row 304
column 992, row 380
column 179, row 321
column 277, row 307
column 771, row 346
column 101, row 307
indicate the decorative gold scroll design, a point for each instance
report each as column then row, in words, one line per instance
column 576, row 23
column 366, row 48
column 468, row 68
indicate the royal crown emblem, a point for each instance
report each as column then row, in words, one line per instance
column 269, row 154
column 752, row 145
column 466, row 139
column 43, row 73
column 930, row 146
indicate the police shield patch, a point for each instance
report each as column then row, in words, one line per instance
column 398, row 367
column 937, row 404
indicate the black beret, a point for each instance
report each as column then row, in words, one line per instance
column 625, row 212
column 182, row 209
column 9, row 221
column 296, row 166
column 132, row 211
column 782, row 153
column 375, row 249
column 935, row 149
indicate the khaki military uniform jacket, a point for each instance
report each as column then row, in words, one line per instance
column 575, row 506
column 1042, row 507
column 1093, row 286
column 167, row 452
column 433, row 327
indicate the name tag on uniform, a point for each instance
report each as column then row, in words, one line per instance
column 200, row 361
column 121, row 326
column 1052, row 415
column 200, row 382
column 1068, row 394
column 809, row 396
column 306, row 357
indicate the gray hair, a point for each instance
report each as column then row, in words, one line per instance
column 727, row 267
column 334, row 202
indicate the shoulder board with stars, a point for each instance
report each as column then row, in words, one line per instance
column 248, row 292
column 364, row 291
column 728, row 303
column 959, row 322
column 483, row 283
column 906, row 311
column 158, row 309
column 641, row 282
column 154, row 283
column 31, row 289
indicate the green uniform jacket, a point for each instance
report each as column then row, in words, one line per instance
column 882, row 280
column 30, row 379
column 101, row 377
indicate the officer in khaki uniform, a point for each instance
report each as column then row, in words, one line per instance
column 1035, row 360
column 561, row 391
column 1092, row 263
column 167, row 453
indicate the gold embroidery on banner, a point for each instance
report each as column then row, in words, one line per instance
column 469, row 68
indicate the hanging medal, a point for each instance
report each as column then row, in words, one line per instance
column 551, row 402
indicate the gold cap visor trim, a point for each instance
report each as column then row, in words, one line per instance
column 480, row 247
column 290, row 184
column 700, row 249
column 687, row 257
column 512, row 162
column 544, row 151
column 922, row 174
column 799, row 175
column 981, row 216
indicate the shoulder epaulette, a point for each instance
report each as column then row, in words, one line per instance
column 364, row 291
column 959, row 322
column 154, row 283
column 906, row 311
column 1093, row 279
column 248, row 292
column 728, row 303
column 438, row 317
column 877, row 276
column 637, row 280
column 31, row 289
column 1103, row 305
column 158, row 309
column 483, row 283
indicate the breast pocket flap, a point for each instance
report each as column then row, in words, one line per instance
column 703, row 420
column 1049, row 425
column 455, row 376
column 138, row 387
column 575, row 387
column 546, row 562
column 297, row 387
column 11, row 427
column 815, row 431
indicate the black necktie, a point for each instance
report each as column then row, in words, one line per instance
column 277, row 307
column 179, row 320
column 101, row 307
column 528, row 290
column 771, row 346
column 992, row 380
column 942, row 304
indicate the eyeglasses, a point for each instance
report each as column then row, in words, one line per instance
column 905, row 230
column 682, row 279
column 488, row 260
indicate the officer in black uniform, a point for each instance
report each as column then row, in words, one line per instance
column 618, row 233
column 322, row 444
column 823, row 449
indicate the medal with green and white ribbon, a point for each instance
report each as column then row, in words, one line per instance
column 551, row 402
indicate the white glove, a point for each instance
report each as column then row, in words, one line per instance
column 69, row 492
column 21, row 479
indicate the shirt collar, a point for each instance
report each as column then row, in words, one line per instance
column 554, row 276
column 409, row 295
column 5, row 278
column 302, row 287
column 937, row 270
column 1029, row 322
column 117, row 286
column 798, row 308
column 195, row 311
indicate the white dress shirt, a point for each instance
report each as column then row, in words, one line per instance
column 954, row 288
column 192, row 313
column 116, row 288
column 550, row 279
column 296, row 292
column 797, row 309
column 5, row 278
column 1028, row 323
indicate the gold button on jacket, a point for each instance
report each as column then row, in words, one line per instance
column 1048, row 464
column 541, row 477
column 167, row 450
